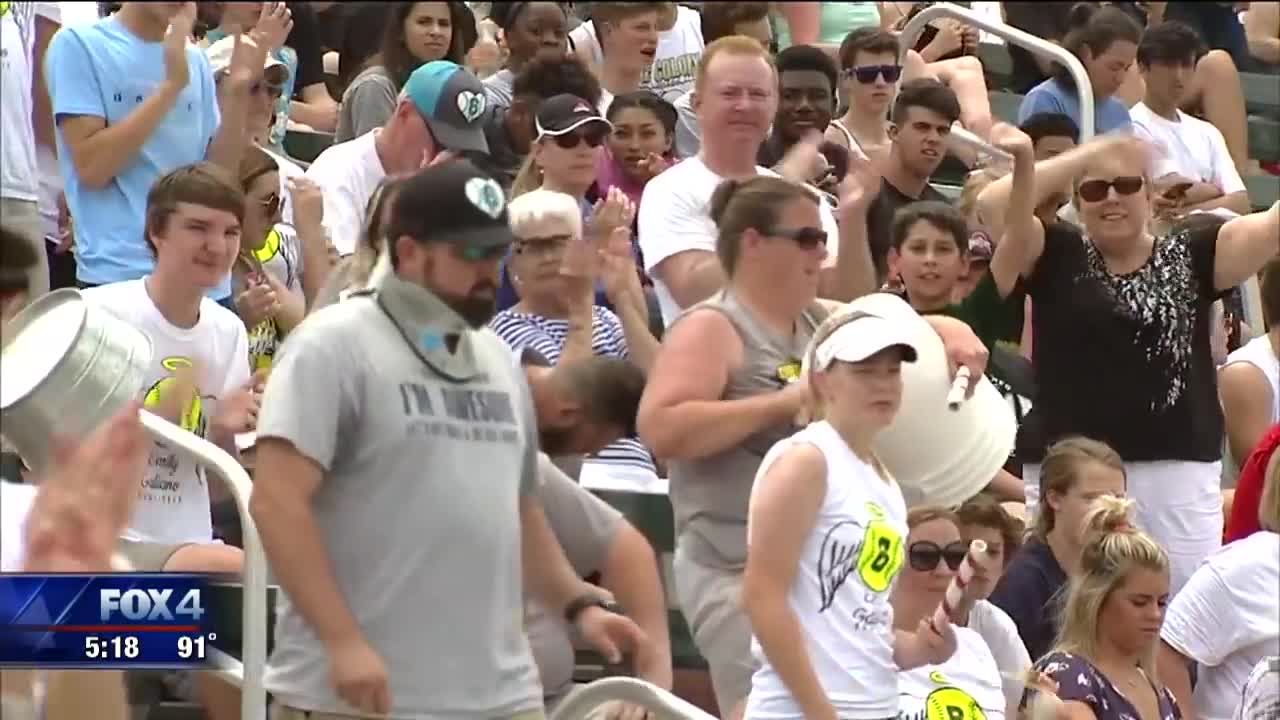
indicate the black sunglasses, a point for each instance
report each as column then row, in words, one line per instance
column 541, row 245
column 924, row 555
column 866, row 74
column 594, row 134
column 1096, row 190
column 807, row 238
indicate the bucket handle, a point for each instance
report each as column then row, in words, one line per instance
column 253, row 696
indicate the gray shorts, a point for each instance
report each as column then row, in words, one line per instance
column 711, row 600
column 147, row 556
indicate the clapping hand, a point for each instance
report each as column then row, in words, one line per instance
column 237, row 411
column 258, row 301
column 86, row 498
column 274, row 25
column 614, row 210
column 176, row 38
column 859, row 188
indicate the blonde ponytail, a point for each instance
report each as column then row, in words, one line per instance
column 527, row 179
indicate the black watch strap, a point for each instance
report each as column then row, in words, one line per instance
column 588, row 600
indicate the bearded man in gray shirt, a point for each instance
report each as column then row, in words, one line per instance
column 396, row 486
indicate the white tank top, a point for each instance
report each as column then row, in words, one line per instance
column 842, row 586
column 1258, row 353
column 965, row 687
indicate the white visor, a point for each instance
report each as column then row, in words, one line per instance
column 860, row 338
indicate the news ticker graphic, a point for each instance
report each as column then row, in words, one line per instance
column 155, row 620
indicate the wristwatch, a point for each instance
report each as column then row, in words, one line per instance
column 588, row 600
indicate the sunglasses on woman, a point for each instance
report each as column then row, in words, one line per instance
column 807, row 238
column 1096, row 190
column 270, row 204
column 924, row 555
column 866, row 74
column 593, row 133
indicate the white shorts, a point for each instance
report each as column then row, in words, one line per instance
column 1179, row 504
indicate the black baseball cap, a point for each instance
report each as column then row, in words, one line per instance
column 452, row 202
column 560, row 114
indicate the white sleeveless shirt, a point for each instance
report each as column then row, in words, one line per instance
column 966, row 687
column 1258, row 353
column 841, row 590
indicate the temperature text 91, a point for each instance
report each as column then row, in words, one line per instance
column 191, row 647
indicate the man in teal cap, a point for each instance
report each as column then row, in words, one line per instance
column 440, row 109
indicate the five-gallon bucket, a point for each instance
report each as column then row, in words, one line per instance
column 939, row 456
column 65, row 367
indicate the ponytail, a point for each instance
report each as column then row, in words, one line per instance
column 528, row 178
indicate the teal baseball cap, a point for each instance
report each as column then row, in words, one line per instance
column 453, row 103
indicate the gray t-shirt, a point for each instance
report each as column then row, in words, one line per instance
column 426, row 454
column 585, row 525
column 498, row 88
column 367, row 103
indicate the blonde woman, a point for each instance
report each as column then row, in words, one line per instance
column 826, row 530
column 1104, row 662
column 1225, row 620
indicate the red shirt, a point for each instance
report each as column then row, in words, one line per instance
column 1244, row 509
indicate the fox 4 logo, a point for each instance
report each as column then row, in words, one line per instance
column 149, row 604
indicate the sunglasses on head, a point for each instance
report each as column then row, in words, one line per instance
column 924, row 555
column 807, row 238
column 866, row 74
column 593, row 133
column 1096, row 190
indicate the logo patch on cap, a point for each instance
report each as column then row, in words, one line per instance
column 471, row 105
column 486, row 195
column 582, row 107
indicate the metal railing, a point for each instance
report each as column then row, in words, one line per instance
column 580, row 704
column 1012, row 36
column 246, row 676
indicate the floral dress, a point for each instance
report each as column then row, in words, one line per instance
column 1079, row 680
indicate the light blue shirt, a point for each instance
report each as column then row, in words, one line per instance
column 106, row 71
column 1054, row 96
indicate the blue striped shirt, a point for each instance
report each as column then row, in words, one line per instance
column 546, row 336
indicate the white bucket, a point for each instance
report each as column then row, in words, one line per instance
column 939, row 456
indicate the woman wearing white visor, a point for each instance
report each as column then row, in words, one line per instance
column 825, row 533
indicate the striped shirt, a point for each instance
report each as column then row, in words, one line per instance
column 546, row 336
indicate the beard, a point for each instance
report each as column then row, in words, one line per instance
column 555, row 441
column 477, row 309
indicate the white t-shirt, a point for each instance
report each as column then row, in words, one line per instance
column 841, row 590
column 965, row 687
column 675, row 216
column 1226, row 619
column 674, row 65
column 347, row 174
column 16, row 500
column 1191, row 147
column 18, row 178
column 1000, row 634
column 173, row 498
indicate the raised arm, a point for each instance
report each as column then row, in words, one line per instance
column 1262, row 27
column 1022, row 237
column 682, row 415
column 99, row 152
column 1245, row 244
column 853, row 274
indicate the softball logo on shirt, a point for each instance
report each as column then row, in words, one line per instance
column 872, row 552
column 952, row 703
column 4, row 9
column 192, row 416
column 264, row 338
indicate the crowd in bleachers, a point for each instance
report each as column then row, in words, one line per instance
column 554, row 327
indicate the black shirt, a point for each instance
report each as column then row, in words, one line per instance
column 304, row 38
column 1125, row 358
column 880, row 221
column 1032, row 592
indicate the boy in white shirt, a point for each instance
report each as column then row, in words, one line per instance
column 199, row 375
column 1196, row 171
